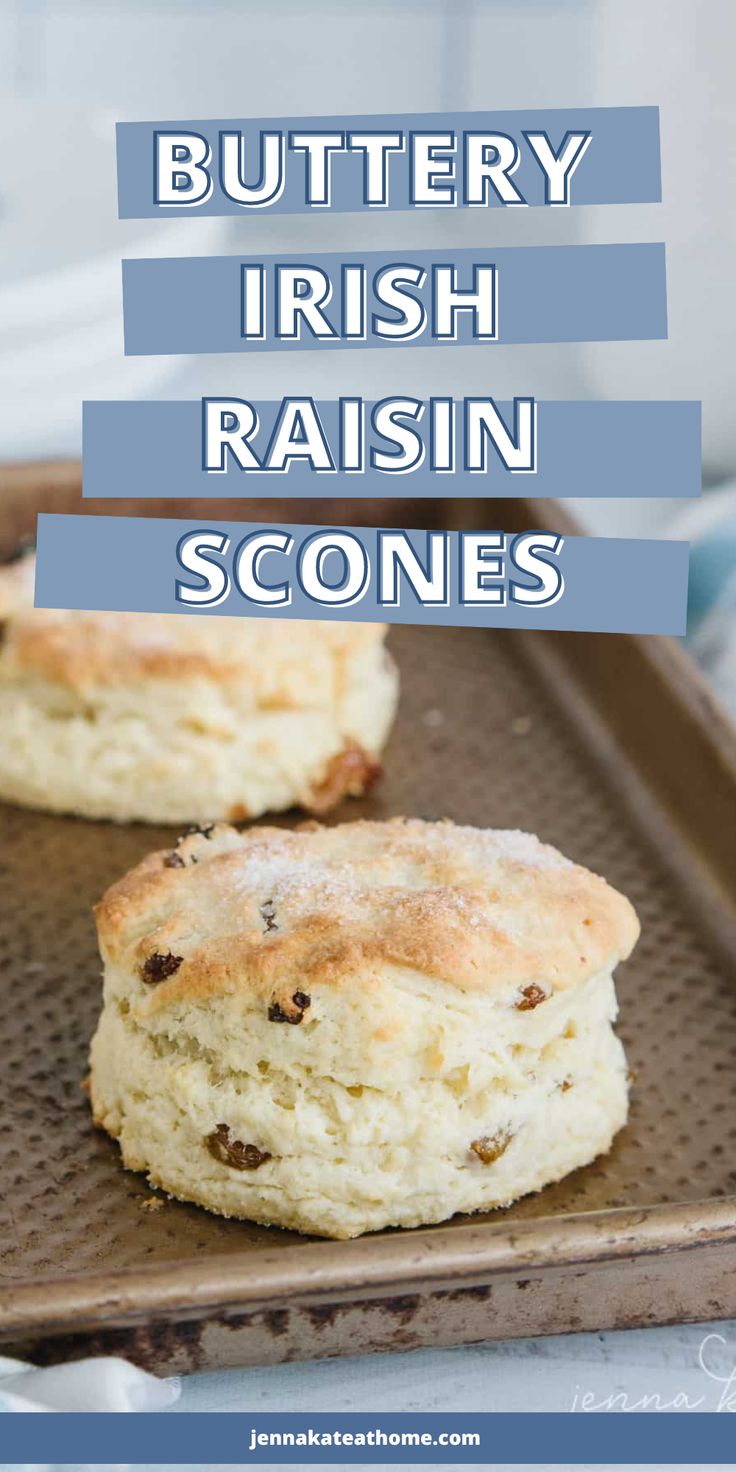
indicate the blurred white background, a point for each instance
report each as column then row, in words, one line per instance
column 70, row 68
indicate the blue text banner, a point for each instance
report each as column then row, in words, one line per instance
column 491, row 1439
column 535, row 580
column 581, row 448
column 396, row 161
column 513, row 294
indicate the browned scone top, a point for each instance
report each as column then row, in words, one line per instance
column 80, row 649
column 269, row 911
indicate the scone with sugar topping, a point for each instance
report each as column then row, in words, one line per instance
column 173, row 718
column 376, row 1024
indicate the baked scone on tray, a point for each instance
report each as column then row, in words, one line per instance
column 370, row 1025
column 177, row 718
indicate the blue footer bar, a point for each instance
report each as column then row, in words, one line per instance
column 485, row 1438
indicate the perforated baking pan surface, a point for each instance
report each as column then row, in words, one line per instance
column 493, row 729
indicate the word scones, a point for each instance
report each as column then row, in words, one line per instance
column 335, row 569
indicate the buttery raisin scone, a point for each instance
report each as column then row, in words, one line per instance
column 171, row 718
column 377, row 1024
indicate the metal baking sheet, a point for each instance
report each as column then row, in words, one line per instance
column 610, row 748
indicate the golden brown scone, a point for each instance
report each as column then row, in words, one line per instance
column 172, row 718
column 341, row 1029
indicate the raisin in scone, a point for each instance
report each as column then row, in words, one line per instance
column 376, row 1024
column 173, row 718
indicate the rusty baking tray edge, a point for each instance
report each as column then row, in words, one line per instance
column 464, row 1255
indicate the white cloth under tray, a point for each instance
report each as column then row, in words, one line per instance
column 101, row 1384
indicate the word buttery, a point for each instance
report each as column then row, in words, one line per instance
column 445, row 168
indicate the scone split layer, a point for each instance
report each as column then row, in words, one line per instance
column 177, row 718
column 379, row 1024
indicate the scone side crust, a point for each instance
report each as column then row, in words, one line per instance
column 343, row 1141
column 478, row 911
